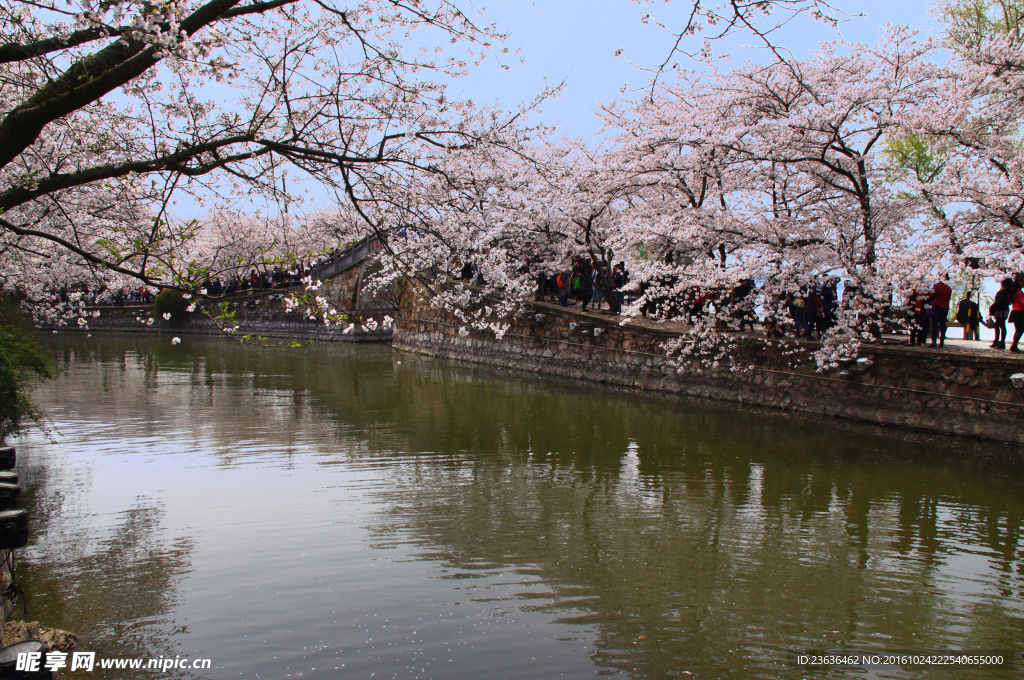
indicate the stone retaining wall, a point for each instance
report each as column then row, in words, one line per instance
column 913, row 388
column 7, row 602
column 256, row 314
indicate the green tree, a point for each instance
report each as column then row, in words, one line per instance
column 171, row 306
column 970, row 22
column 21, row 363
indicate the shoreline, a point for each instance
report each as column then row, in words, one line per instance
column 942, row 391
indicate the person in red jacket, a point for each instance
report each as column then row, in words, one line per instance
column 1017, row 312
column 941, row 293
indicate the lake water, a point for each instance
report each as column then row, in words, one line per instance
column 347, row 511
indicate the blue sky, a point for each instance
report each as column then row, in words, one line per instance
column 577, row 40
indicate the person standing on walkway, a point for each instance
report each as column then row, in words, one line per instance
column 619, row 283
column 797, row 306
column 811, row 302
column 918, row 319
column 968, row 313
column 999, row 310
column 584, row 284
column 576, row 282
column 743, row 309
column 941, row 292
column 829, row 297
column 596, row 288
column 542, row 283
column 1017, row 312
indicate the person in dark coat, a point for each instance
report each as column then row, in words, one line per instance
column 743, row 310
column 968, row 313
column 584, row 284
column 999, row 310
column 919, row 321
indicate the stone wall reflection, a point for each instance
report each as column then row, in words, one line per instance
column 684, row 535
column 668, row 528
column 668, row 567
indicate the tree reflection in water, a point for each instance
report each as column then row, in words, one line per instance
column 713, row 539
column 117, row 582
column 678, row 535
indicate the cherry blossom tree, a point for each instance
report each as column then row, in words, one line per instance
column 114, row 114
column 126, row 109
column 962, row 155
column 781, row 174
column 787, row 174
column 876, row 164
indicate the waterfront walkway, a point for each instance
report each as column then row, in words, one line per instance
column 954, row 347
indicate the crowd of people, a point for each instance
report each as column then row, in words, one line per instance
column 585, row 283
column 263, row 278
column 812, row 309
column 928, row 311
column 1007, row 305
column 268, row 279
column 119, row 297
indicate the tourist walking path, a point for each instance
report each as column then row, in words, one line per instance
column 953, row 346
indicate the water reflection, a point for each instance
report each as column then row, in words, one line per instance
column 113, row 578
column 695, row 573
column 655, row 537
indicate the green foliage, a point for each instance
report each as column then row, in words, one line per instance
column 970, row 22
column 915, row 155
column 171, row 302
column 227, row 321
column 21, row 363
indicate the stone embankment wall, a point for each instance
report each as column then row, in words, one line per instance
column 7, row 599
column 260, row 313
column 920, row 389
